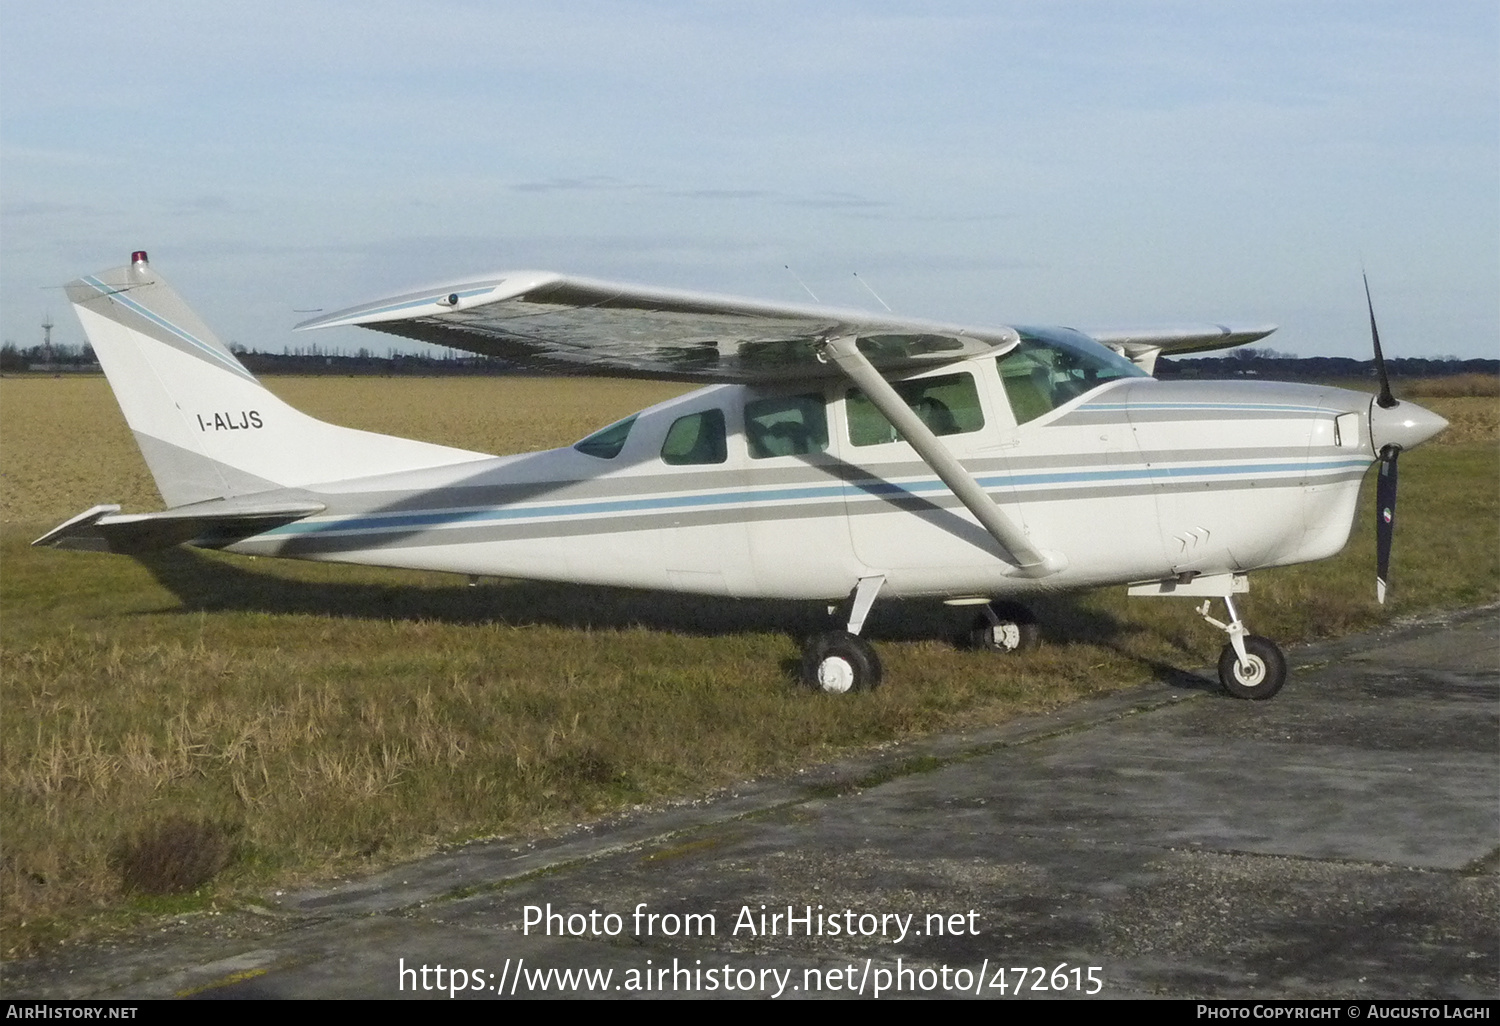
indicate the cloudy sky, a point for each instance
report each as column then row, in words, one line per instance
column 1092, row 163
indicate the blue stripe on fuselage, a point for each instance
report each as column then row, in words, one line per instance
column 380, row 522
column 1256, row 407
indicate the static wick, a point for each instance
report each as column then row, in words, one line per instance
column 872, row 292
column 802, row 283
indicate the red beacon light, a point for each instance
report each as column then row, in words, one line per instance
column 138, row 257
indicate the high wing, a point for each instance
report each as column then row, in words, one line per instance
column 583, row 326
column 1143, row 347
column 566, row 324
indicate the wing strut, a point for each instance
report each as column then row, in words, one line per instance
column 845, row 354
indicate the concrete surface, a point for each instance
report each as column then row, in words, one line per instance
column 1340, row 840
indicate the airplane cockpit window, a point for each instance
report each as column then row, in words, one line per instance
column 606, row 443
column 696, row 438
column 949, row 405
column 1049, row 368
column 786, row 425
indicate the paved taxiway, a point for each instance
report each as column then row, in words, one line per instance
column 1342, row 840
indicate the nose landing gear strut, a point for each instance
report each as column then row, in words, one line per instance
column 1250, row 666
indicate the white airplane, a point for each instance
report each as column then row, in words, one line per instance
column 842, row 456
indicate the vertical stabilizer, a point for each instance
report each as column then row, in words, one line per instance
column 207, row 428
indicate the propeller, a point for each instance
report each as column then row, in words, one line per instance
column 1384, row 400
column 1385, row 485
column 1385, row 518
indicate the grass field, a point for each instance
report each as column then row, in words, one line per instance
column 261, row 722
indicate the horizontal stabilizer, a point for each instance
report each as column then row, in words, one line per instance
column 208, row 524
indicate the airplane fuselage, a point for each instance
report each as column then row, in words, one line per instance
column 1136, row 479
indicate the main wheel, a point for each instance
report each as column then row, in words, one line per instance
column 838, row 662
column 1263, row 674
column 1011, row 629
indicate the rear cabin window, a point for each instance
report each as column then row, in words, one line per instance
column 606, row 443
column 695, row 439
column 1045, row 371
column 948, row 405
column 786, row 425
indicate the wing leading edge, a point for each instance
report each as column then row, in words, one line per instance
column 581, row 325
column 564, row 324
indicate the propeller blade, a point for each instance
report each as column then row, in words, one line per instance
column 1385, row 518
column 1385, row 400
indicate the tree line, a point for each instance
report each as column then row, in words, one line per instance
column 1246, row 362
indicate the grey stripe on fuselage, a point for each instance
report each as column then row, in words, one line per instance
column 1128, row 458
column 1027, row 496
column 697, row 480
column 332, row 541
column 573, row 527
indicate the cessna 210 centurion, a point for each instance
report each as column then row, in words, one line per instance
column 839, row 455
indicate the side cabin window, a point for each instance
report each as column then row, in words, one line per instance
column 949, row 405
column 1051, row 367
column 606, row 443
column 786, row 425
column 696, row 439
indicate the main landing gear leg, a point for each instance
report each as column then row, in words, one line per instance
column 837, row 662
column 1249, row 666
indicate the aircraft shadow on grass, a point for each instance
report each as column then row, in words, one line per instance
column 214, row 584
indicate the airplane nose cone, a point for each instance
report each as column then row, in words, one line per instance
column 1403, row 425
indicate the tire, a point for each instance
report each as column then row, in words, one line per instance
column 1013, row 629
column 838, row 663
column 1263, row 677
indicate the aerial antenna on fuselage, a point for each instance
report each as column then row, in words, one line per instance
column 872, row 292
column 803, row 284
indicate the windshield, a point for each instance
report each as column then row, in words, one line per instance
column 1052, row 366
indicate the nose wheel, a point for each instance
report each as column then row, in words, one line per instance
column 1250, row 666
column 1259, row 675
